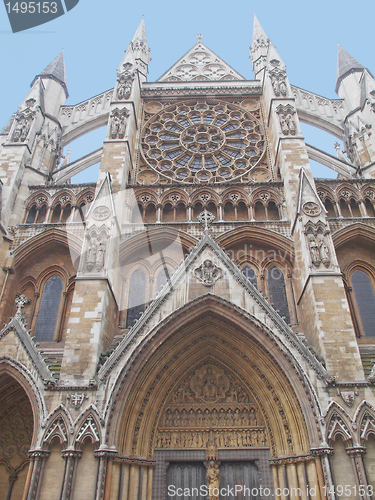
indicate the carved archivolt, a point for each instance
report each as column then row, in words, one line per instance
column 211, row 408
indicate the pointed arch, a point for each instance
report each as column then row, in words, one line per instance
column 88, row 426
column 15, row 369
column 144, row 382
column 338, row 423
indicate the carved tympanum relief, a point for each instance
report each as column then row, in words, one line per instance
column 211, row 409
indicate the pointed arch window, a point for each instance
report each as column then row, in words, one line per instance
column 365, row 301
column 277, row 292
column 137, row 294
column 48, row 314
column 250, row 275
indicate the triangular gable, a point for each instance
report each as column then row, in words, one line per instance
column 307, row 194
column 209, row 270
column 36, row 361
column 200, row 64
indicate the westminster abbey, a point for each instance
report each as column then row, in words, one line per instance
column 203, row 314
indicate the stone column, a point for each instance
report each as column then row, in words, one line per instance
column 105, row 457
column 71, row 458
column 38, row 457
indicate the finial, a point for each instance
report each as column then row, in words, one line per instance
column 206, row 218
column 199, row 37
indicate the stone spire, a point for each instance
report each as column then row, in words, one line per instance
column 258, row 31
column 141, row 49
column 346, row 64
column 56, row 71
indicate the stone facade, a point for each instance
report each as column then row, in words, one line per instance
column 204, row 312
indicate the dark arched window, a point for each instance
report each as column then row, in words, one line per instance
column 250, row 275
column 365, row 300
column 163, row 277
column 259, row 211
column 31, row 215
column 48, row 313
column 277, row 292
column 330, row 208
column 137, row 293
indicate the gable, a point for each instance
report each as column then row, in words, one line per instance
column 200, row 64
column 208, row 271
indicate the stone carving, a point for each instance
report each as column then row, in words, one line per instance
column 209, row 384
column 118, row 123
column 211, row 410
column 101, row 213
column 206, row 218
column 213, row 481
column 211, row 448
column 76, row 400
column 287, row 123
column 99, row 263
column 95, row 254
column 21, row 301
column 22, row 129
column 348, row 397
column 311, row 208
column 208, row 273
column 278, row 79
column 318, row 247
column 125, row 82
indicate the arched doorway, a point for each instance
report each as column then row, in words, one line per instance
column 17, row 426
column 212, row 384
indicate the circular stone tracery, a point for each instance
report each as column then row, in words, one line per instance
column 203, row 142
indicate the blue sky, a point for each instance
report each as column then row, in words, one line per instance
column 95, row 34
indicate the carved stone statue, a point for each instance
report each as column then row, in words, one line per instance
column 115, row 125
column 314, row 251
column 287, row 122
column 91, row 255
column 324, row 253
column 21, row 130
column 118, row 123
column 213, row 481
column 99, row 263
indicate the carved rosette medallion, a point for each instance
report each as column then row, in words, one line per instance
column 208, row 273
column 101, row 213
column 209, row 384
column 311, row 209
column 211, row 409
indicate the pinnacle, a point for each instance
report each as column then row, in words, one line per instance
column 56, row 70
column 140, row 34
column 346, row 64
column 258, row 31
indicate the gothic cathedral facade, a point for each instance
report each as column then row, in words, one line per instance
column 203, row 314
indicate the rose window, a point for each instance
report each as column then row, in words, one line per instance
column 203, row 142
